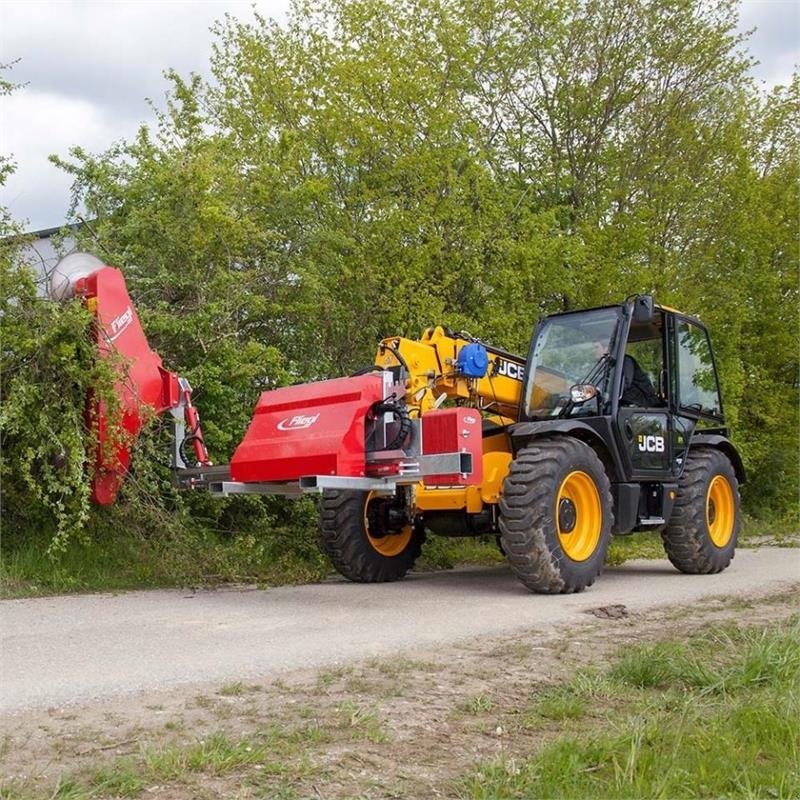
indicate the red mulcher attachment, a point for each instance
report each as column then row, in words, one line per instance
column 144, row 386
column 352, row 433
column 346, row 433
column 311, row 429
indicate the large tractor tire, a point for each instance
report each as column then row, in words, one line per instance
column 556, row 515
column 368, row 537
column 700, row 537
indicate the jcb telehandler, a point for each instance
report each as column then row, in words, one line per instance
column 614, row 423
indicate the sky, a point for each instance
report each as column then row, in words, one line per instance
column 88, row 68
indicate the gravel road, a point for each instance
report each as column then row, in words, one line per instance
column 74, row 649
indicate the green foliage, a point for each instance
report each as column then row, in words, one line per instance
column 117, row 553
column 48, row 365
column 374, row 167
column 714, row 716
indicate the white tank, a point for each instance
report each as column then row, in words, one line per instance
column 71, row 268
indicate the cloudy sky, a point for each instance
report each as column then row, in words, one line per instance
column 88, row 68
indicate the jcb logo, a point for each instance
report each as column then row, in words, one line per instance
column 510, row 369
column 651, row 444
column 297, row 423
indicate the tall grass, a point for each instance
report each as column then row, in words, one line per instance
column 716, row 716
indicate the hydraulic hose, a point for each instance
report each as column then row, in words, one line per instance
column 400, row 413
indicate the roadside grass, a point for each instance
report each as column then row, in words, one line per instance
column 362, row 723
column 645, row 544
column 444, row 552
column 781, row 531
column 714, row 716
column 119, row 559
column 271, row 758
column 477, row 704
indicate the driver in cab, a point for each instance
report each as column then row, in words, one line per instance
column 637, row 388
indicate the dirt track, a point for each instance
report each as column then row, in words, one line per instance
column 66, row 650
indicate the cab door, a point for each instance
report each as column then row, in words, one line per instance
column 646, row 439
column 693, row 384
column 644, row 429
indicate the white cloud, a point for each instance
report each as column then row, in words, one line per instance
column 36, row 124
column 89, row 67
column 775, row 42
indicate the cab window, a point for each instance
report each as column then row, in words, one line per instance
column 644, row 364
column 697, row 380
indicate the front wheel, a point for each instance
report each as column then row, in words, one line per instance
column 369, row 537
column 701, row 535
column 556, row 515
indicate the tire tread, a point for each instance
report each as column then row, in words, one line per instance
column 343, row 539
column 527, row 510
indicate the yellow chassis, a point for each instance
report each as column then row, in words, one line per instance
column 432, row 380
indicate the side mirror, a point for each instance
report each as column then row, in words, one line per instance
column 643, row 308
column 581, row 392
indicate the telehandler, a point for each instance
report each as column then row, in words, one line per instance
column 613, row 423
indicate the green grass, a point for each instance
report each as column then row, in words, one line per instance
column 237, row 688
column 561, row 703
column 646, row 544
column 478, row 704
column 362, row 723
column 271, row 753
column 782, row 530
column 715, row 716
column 444, row 552
column 118, row 560
column 120, row 779
column 215, row 755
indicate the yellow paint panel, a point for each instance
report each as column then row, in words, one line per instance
column 495, row 469
column 442, row 499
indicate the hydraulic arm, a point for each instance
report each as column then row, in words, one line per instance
column 443, row 365
column 143, row 386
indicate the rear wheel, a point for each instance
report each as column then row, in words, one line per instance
column 701, row 535
column 369, row 537
column 556, row 515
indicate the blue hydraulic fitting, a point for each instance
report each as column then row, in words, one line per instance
column 472, row 361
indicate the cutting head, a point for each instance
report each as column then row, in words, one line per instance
column 71, row 268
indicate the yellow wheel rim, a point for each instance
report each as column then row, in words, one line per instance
column 392, row 544
column 720, row 511
column 579, row 516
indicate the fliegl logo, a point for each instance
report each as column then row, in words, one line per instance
column 298, row 422
column 650, row 444
column 120, row 324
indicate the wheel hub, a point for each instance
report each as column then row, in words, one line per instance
column 386, row 525
column 579, row 516
column 720, row 511
column 567, row 515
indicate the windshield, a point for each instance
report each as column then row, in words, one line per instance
column 570, row 349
